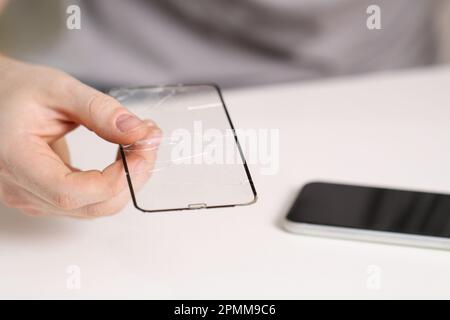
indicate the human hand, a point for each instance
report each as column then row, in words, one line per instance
column 38, row 107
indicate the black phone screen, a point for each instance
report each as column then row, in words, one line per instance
column 377, row 209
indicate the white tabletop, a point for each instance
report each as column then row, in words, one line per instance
column 390, row 129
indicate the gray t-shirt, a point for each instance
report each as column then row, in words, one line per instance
column 233, row 42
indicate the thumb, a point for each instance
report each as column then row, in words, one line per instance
column 102, row 114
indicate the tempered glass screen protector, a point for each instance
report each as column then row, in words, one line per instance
column 199, row 162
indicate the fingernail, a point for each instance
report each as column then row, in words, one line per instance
column 141, row 167
column 128, row 122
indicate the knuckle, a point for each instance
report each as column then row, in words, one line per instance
column 59, row 79
column 115, row 189
column 100, row 103
column 64, row 201
column 94, row 211
column 98, row 185
column 101, row 210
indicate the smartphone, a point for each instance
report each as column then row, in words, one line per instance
column 371, row 214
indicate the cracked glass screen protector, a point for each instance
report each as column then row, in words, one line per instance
column 198, row 163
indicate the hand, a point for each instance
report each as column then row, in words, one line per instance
column 38, row 106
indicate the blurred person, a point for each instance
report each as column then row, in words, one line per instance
column 136, row 42
column 231, row 42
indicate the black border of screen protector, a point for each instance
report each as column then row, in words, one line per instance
column 241, row 153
